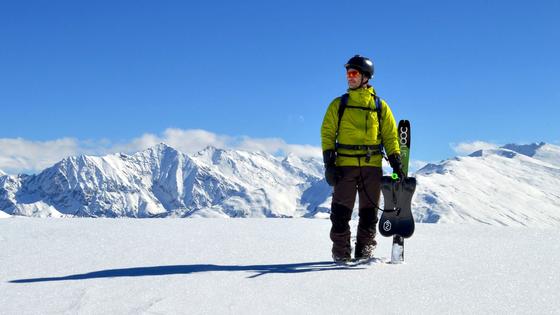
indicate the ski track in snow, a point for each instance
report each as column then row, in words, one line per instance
column 268, row 266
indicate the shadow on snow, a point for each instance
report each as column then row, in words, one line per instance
column 258, row 270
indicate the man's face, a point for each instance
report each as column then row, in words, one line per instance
column 354, row 78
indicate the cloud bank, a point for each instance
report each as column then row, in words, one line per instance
column 465, row 148
column 19, row 155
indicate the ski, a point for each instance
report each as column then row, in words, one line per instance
column 361, row 262
column 397, row 219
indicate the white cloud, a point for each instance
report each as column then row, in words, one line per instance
column 188, row 141
column 465, row 148
column 18, row 155
column 277, row 145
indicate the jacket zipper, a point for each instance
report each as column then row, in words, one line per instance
column 366, row 122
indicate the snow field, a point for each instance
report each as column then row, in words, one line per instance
column 273, row 266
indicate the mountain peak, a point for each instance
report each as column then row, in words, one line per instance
column 211, row 152
column 160, row 149
column 507, row 153
column 525, row 149
column 209, row 149
column 74, row 160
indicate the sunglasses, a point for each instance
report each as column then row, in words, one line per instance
column 352, row 73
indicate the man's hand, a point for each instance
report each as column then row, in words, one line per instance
column 396, row 165
column 331, row 172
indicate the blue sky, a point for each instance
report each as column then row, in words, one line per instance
column 104, row 73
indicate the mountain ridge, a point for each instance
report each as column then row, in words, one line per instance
column 161, row 181
column 509, row 185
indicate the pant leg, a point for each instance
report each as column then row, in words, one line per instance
column 369, row 190
column 347, row 186
column 344, row 196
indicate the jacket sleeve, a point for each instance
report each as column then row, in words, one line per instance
column 389, row 131
column 328, row 128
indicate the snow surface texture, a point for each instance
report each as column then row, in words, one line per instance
column 513, row 185
column 264, row 266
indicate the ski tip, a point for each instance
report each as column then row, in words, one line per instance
column 396, row 262
column 368, row 261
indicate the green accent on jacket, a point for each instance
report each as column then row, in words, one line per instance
column 359, row 127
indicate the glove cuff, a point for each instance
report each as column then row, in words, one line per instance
column 395, row 161
column 329, row 157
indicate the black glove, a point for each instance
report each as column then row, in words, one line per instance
column 331, row 172
column 395, row 161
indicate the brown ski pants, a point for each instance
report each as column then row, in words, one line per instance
column 366, row 182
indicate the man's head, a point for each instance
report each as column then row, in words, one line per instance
column 364, row 68
column 355, row 78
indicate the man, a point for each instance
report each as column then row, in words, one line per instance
column 352, row 152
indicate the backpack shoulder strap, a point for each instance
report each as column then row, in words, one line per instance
column 378, row 107
column 378, row 110
column 341, row 108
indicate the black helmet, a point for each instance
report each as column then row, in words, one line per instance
column 362, row 64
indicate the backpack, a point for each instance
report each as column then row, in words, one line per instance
column 371, row 149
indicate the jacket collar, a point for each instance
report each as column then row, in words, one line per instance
column 362, row 95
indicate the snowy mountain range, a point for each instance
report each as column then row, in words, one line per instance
column 511, row 185
column 162, row 182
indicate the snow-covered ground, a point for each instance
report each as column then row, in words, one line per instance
column 268, row 266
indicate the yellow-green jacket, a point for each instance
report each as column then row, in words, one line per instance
column 359, row 127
